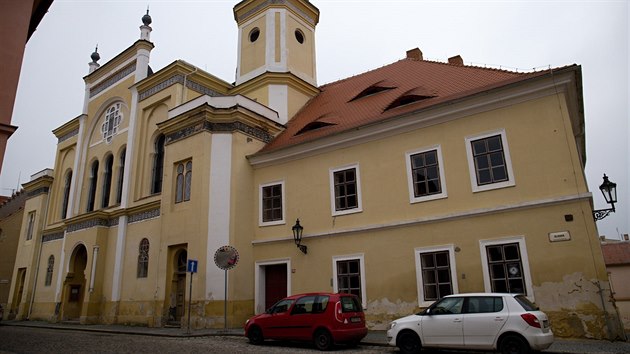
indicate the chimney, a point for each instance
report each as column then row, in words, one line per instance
column 456, row 60
column 602, row 238
column 625, row 237
column 415, row 54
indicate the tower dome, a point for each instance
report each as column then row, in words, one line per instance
column 95, row 56
column 146, row 19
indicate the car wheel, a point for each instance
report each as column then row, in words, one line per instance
column 409, row 343
column 323, row 340
column 512, row 344
column 255, row 335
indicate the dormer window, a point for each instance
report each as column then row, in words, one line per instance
column 405, row 100
column 372, row 90
column 313, row 126
column 113, row 117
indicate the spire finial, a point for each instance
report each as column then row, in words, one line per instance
column 95, row 56
column 146, row 19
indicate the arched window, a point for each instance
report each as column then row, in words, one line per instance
column 49, row 270
column 113, row 117
column 158, row 165
column 183, row 181
column 107, row 181
column 121, row 175
column 66, row 194
column 188, row 181
column 143, row 258
column 92, row 191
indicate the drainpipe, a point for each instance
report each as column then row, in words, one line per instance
column 184, row 96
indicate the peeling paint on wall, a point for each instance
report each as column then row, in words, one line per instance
column 380, row 312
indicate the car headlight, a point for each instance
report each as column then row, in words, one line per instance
column 391, row 325
column 246, row 322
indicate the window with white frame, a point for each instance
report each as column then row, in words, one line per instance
column 143, row 258
column 489, row 161
column 506, row 266
column 272, row 203
column 425, row 175
column 349, row 276
column 345, row 193
column 436, row 273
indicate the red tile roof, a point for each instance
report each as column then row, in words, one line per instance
column 405, row 86
column 616, row 253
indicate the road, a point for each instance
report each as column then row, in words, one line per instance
column 15, row 339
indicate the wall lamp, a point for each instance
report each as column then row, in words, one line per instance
column 609, row 190
column 297, row 235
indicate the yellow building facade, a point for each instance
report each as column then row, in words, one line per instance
column 411, row 181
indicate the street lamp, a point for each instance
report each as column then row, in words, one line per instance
column 297, row 235
column 609, row 190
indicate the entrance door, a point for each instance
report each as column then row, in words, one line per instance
column 17, row 297
column 275, row 283
column 181, row 285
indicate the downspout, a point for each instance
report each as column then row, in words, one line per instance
column 39, row 258
column 184, row 96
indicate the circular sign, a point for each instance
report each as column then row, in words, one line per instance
column 226, row 257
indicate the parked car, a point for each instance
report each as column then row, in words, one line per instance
column 323, row 318
column 508, row 323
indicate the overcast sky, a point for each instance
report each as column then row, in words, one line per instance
column 353, row 36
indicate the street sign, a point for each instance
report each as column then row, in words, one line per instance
column 192, row 266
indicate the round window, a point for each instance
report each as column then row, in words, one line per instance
column 254, row 34
column 299, row 36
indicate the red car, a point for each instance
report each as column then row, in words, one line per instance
column 325, row 319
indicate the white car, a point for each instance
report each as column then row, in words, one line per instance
column 508, row 323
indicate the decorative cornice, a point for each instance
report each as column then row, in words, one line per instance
column 68, row 135
column 219, row 127
column 38, row 191
column 144, row 215
column 52, row 237
column 177, row 79
column 286, row 3
column 127, row 70
column 88, row 224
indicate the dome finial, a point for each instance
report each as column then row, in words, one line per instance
column 95, row 56
column 146, row 19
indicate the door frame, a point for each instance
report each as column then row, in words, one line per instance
column 259, row 281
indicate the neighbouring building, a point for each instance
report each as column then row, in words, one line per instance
column 617, row 258
column 11, row 212
column 411, row 181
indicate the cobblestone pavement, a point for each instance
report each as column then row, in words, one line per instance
column 25, row 340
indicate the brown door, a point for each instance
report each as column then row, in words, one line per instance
column 275, row 283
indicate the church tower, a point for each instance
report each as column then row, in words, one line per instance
column 276, row 53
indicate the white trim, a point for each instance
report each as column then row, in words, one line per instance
column 471, row 163
column 331, row 173
column 219, row 210
column 225, row 102
column 419, row 280
column 259, row 281
column 109, row 75
column 361, row 258
column 119, row 259
column 438, row 218
column 524, row 260
column 279, row 101
column 443, row 193
column 260, row 204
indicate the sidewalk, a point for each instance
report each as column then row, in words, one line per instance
column 379, row 338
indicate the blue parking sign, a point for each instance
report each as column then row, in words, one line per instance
column 192, row 266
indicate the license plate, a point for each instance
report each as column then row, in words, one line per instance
column 355, row 319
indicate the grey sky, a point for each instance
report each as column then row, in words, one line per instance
column 352, row 37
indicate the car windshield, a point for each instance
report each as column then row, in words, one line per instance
column 527, row 305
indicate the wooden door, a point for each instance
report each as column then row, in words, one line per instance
column 275, row 284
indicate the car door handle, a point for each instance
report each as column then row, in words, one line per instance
column 499, row 319
column 457, row 320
